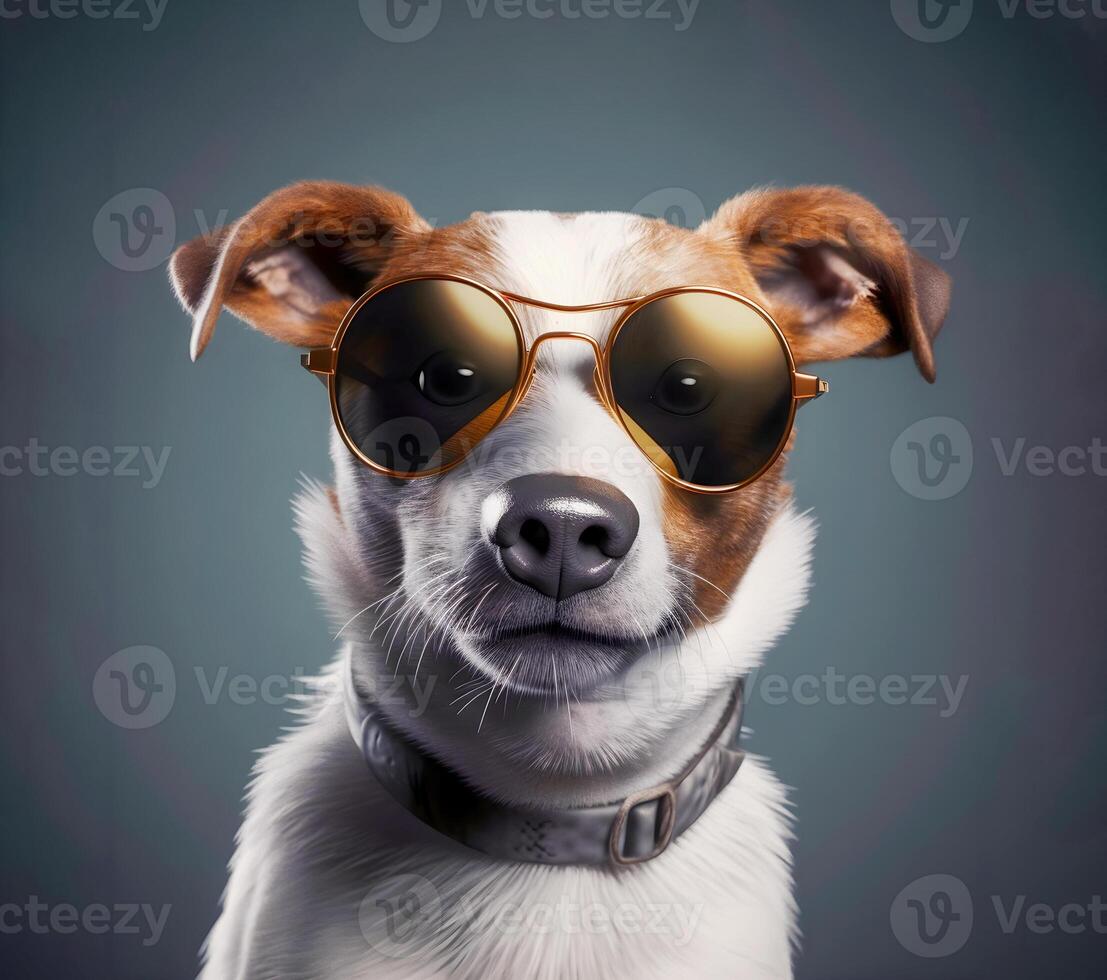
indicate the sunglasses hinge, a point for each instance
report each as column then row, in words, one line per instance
column 321, row 360
column 809, row 386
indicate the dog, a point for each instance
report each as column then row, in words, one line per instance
column 418, row 821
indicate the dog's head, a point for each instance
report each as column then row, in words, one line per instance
column 554, row 574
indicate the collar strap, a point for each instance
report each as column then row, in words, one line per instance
column 629, row 831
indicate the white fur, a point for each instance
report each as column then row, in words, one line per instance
column 322, row 841
column 408, row 577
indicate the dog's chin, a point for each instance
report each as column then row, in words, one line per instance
column 551, row 661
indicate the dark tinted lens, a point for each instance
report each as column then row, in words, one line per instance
column 703, row 383
column 424, row 370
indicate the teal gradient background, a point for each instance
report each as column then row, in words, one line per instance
column 999, row 128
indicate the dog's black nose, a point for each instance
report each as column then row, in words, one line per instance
column 564, row 534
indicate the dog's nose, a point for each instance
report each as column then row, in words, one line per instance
column 564, row 534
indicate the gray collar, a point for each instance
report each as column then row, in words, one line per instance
column 628, row 831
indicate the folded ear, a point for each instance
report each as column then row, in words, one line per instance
column 294, row 264
column 836, row 274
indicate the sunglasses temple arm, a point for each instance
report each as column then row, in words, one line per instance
column 807, row 387
column 319, row 362
column 354, row 369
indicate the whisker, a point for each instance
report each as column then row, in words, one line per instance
column 472, row 616
column 475, row 697
column 706, row 581
column 507, row 679
column 363, row 611
column 491, row 691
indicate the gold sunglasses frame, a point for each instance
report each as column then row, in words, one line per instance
column 323, row 361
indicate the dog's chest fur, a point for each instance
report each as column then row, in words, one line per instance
column 324, row 854
column 326, row 857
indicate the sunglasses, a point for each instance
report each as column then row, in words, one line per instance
column 701, row 379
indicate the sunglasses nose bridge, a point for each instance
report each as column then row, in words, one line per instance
column 565, row 335
column 532, row 354
column 531, row 362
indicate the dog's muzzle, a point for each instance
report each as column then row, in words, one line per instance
column 562, row 534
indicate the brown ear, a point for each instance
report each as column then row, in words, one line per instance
column 294, row 264
column 836, row 274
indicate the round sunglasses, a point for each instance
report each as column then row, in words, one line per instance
column 701, row 379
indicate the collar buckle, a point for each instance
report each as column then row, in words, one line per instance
column 664, row 824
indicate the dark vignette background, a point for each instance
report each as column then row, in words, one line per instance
column 999, row 128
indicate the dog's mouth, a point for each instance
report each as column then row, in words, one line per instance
column 559, row 632
column 551, row 659
column 518, row 641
